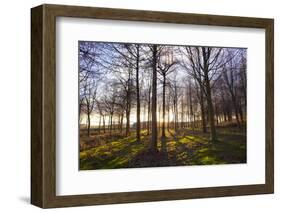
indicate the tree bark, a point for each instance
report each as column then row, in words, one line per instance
column 163, row 107
column 128, row 105
column 121, row 122
column 110, row 129
column 168, row 110
column 153, row 143
column 191, row 109
column 182, row 113
column 89, row 124
column 234, row 102
column 138, row 94
column 159, row 116
column 213, row 136
column 103, row 119
column 204, row 128
column 99, row 123
column 148, row 111
column 128, row 122
column 206, row 56
column 175, row 111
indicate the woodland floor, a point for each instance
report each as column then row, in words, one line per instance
column 187, row 147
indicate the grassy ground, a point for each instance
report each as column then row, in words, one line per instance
column 187, row 147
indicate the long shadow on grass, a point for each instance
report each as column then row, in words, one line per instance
column 229, row 149
column 116, row 154
column 183, row 148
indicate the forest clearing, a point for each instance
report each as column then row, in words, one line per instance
column 152, row 105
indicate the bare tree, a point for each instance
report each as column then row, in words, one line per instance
column 89, row 74
column 165, row 64
column 205, row 65
column 110, row 105
column 185, row 86
column 153, row 143
column 192, row 65
column 88, row 103
column 132, row 54
column 101, row 111
column 231, row 78
column 174, row 92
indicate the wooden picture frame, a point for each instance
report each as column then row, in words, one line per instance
column 43, row 105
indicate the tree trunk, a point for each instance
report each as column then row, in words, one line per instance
column 128, row 122
column 108, row 123
column 168, row 109
column 89, row 124
column 103, row 118
column 163, row 107
column 217, row 114
column 241, row 113
column 234, row 102
column 191, row 109
column 110, row 129
column 99, row 123
column 211, row 117
column 182, row 113
column 204, row 128
column 138, row 95
column 148, row 111
column 159, row 116
column 118, row 122
column 213, row 136
column 128, row 106
column 121, row 122
column 175, row 116
column 176, row 109
column 153, row 144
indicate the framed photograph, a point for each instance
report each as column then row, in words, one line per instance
column 136, row 106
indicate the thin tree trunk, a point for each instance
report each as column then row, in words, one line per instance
column 213, row 135
column 204, row 128
column 148, row 111
column 182, row 113
column 206, row 57
column 216, row 113
column 153, row 144
column 233, row 98
column 163, row 106
column 118, row 122
column 168, row 109
column 103, row 118
column 138, row 94
column 128, row 106
column 121, row 122
column 108, row 124
column 241, row 113
column 229, row 115
column 159, row 116
column 128, row 122
column 99, row 123
column 143, row 124
column 177, row 117
column 191, row 108
column 110, row 129
column 89, row 124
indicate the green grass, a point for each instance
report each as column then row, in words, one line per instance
column 187, row 148
column 114, row 154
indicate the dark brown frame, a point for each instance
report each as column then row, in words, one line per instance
column 43, row 105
